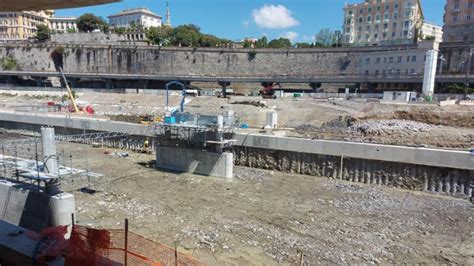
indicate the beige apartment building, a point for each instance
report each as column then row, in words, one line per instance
column 382, row 22
column 431, row 31
column 459, row 21
column 17, row 26
column 63, row 24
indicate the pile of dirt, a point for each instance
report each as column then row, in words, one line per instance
column 135, row 119
column 386, row 127
column 455, row 119
column 262, row 104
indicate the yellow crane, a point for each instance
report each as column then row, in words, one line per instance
column 69, row 91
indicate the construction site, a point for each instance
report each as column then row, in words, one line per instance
column 114, row 153
column 277, row 205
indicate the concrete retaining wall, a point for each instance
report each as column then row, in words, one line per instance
column 195, row 161
column 410, row 176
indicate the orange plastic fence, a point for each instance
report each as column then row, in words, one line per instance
column 93, row 247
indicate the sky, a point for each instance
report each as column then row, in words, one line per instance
column 298, row 20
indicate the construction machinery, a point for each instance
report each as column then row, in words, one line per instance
column 170, row 112
column 74, row 107
column 268, row 91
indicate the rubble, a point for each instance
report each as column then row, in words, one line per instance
column 383, row 127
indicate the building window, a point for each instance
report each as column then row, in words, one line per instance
column 386, row 17
column 387, row 7
column 413, row 58
column 390, row 59
column 369, row 18
column 369, row 9
column 378, row 8
column 396, row 6
column 395, row 15
column 361, row 11
column 367, row 60
column 360, row 20
column 399, row 59
column 377, row 61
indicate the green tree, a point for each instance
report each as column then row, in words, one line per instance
column 9, row 63
column 303, row 45
column 89, row 22
column 325, row 37
column 262, row 43
column 42, row 32
column 247, row 44
column 280, row 43
column 160, row 36
column 186, row 35
column 208, row 40
column 120, row 30
column 71, row 30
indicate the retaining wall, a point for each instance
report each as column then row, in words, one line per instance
column 410, row 176
column 209, row 62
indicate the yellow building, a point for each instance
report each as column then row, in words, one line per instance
column 17, row 26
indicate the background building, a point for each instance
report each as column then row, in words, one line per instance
column 63, row 24
column 382, row 22
column 141, row 16
column 17, row 26
column 431, row 30
column 459, row 21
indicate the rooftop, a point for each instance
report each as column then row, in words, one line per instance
column 141, row 10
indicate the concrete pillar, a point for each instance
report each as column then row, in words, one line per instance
column 430, row 73
column 272, row 120
column 229, row 118
column 62, row 206
column 50, row 158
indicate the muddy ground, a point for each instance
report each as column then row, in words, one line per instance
column 266, row 218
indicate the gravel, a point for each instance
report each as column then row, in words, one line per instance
column 382, row 127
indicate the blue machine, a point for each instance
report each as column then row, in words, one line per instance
column 171, row 117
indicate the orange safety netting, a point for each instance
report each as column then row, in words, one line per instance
column 93, row 247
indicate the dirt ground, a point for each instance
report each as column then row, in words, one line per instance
column 266, row 218
column 451, row 126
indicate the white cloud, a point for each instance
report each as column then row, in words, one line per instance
column 291, row 35
column 274, row 17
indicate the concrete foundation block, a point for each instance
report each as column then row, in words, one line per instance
column 195, row 161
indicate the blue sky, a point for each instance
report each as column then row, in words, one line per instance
column 235, row 19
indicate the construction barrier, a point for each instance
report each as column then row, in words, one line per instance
column 88, row 246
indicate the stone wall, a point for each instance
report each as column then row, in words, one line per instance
column 213, row 62
column 187, row 61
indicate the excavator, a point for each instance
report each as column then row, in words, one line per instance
column 268, row 92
